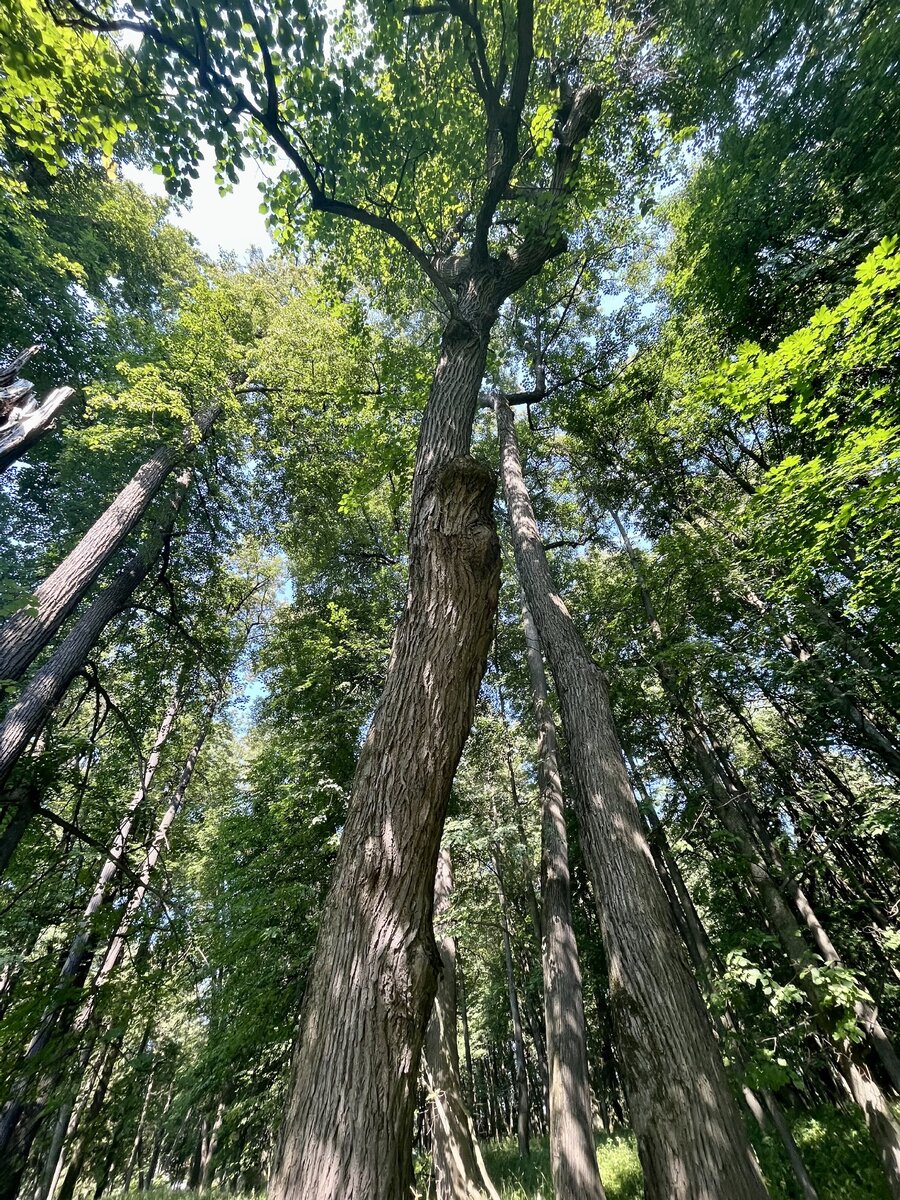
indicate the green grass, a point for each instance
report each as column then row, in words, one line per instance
column 517, row 1180
column 834, row 1143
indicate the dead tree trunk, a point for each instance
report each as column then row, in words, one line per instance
column 573, row 1159
column 691, row 1139
column 28, row 631
column 23, row 421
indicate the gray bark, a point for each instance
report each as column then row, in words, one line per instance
column 28, row 631
column 573, row 1158
column 691, row 1140
column 347, row 1131
column 47, row 686
column 459, row 1172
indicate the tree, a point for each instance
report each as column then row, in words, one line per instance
column 661, row 1027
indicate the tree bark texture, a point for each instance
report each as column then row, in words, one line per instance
column 734, row 808
column 691, row 1139
column 47, row 686
column 459, row 1173
column 573, row 1158
column 347, row 1130
column 28, row 631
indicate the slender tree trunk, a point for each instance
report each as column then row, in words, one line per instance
column 871, row 735
column 791, row 1148
column 23, row 804
column 467, row 1044
column 707, row 966
column 347, row 1130
column 12, row 1139
column 459, row 1172
column 28, row 631
column 91, row 1112
column 691, row 1139
column 47, row 686
column 521, row 1074
column 573, row 1159
column 209, row 1152
column 157, row 1143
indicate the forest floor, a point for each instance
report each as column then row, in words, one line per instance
column 835, row 1147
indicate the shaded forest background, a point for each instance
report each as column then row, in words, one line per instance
column 704, row 378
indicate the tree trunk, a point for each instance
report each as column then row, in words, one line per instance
column 47, row 686
column 27, row 632
column 467, row 1044
column 11, row 1138
column 691, row 1139
column 707, row 966
column 21, row 435
column 93, row 1109
column 522, row 1098
column 347, row 1131
column 573, row 1159
column 459, row 1173
column 23, row 804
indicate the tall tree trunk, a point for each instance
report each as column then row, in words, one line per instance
column 28, row 631
column 459, row 1172
column 521, row 1076
column 467, row 1043
column 91, row 1110
column 47, row 686
column 732, row 801
column 573, row 1159
column 209, row 1150
column 78, row 959
column 691, row 1139
column 347, row 1130
column 707, row 965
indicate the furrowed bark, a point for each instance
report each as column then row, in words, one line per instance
column 459, row 1172
column 690, row 1136
column 47, row 686
column 28, row 631
column 347, row 1131
column 573, row 1158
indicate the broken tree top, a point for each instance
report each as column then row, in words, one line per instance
column 16, row 393
column 23, row 418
